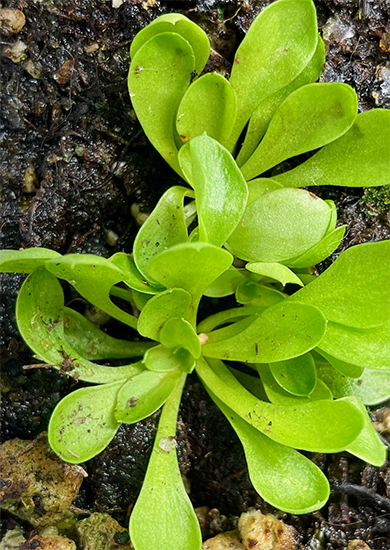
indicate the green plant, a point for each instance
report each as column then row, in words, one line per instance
column 304, row 362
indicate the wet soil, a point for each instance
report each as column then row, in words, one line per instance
column 74, row 167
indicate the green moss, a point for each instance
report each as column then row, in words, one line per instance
column 377, row 198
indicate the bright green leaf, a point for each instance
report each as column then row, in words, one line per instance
column 320, row 251
column 297, row 376
column 131, row 276
column 225, row 284
column 352, row 371
column 275, row 271
column 25, row 261
column 178, row 333
column 163, row 359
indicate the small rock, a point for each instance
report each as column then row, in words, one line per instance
column 91, row 48
column 34, row 68
column 167, row 444
column 48, row 543
column 11, row 21
column 30, row 180
column 140, row 217
column 266, row 532
column 16, row 52
column 65, row 72
column 102, row 532
column 111, row 237
column 12, row 540
column 224, row 541
column 336, row 31
column 117, row 3
column 358, row 545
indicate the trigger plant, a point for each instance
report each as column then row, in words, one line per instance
column 294, row 363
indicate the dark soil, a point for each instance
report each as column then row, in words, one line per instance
column 73, row 160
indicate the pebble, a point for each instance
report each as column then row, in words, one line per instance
column 224, row 541
column 358, row 545
column 11, row 21
column 266, row 532
column 16, row 52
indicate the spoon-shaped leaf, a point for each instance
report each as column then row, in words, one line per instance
column 163, row 516
column 83, row 423
column 40, row 317
column 276, row 394
column 372, row 387
column 142, row 395
column 279, row 225
column 221, row 191
column 93, row 344
column 263, row 114
column 275, row 271
column 297, row 376
column 360, row 158
column 367, row 348
column 165, row 227
column 355, row 289
column 310, row 117
column 163, row 359
column 25, row 261
column 131, row 276
column 281, row 332
column 367, row 446
column 191, row 266
column 179, row 24
column 320, row 251
column 228, row 316
column 159, row 75
column 93, row 277
column 320, row 426
column 209, row 105
column 261, row 186
column 178, row 333
column 226, row 283
column 277, row 47
column 156, row 312
column 250, row 292
column 282, row 476
column 352, row 371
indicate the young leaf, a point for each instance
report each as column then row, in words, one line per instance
column 309, row 118
column 178, row 333
column 360, row 158
column 277, row 47
column 367, row 446
column 275, row 271
column 367, row 348
column 319, row 426
column 131, row 276
column 320, row 251
column 163, row 516
column 354, row 290
column 83, row 423
column 175, row 302
column 40, row 317
column 159, row 75
column 282, row 476
column 262, row 116
column 191, row 266
column 228, row 316
column 93, row 344
column 280, row 225
column 93, row 277
column 281, row 332
column 25, row 261
column 261, row 186
column 179, row 24
column 297, row 376
column 165, row 227
column 142, row 395
column 372, row 387
column 221, row 191
column 276, row 394
column 352, row 371
column 163, row 359
column 225, row 284
column 248, row 291
column 209, row 105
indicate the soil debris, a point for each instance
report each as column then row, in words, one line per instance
column 11, row 21
column 102, row 532
column 266, row 532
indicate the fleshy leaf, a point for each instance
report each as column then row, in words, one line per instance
column 83, row 423
column 179, row 24
column 319, row 426
column 262, row 116
column 297, row 376
column 225, row 284
column 367, row 446
column 282, row 476
column 372, row 387
column 93, row 344
column 309, row 118
column 281, row 332
column 163, row 516
column 25, row 261
column 142, row 395
column 367, row 348
column 277, row 47
column 132, row 277
column 355, row 289
column 352, row 371
column 163, row 359
column 261, row 186
column 275, row 271
column 40, row 316
column 159, row 75
column 251, row 383
column 250, row 292
column 360, row 158
column 156, row 312
column 280, row 225
column 320, row 251
column 93, row 277
column 165, row 227
column 229, row 316
column 221, row 191
column 209, row 105
column 178, row 333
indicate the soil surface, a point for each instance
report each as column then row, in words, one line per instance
column 76, row 168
